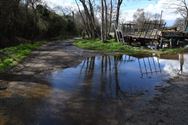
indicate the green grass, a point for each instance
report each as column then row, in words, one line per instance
column 13, row 55
column 113, row 46
column 172, row 50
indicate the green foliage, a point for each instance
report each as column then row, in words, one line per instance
column 13, row 55
column 31, row 22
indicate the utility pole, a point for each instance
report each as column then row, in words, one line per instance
column 161, row 16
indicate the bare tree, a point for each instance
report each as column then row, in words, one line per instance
column 108, row 15
column 85, row 27
column 182, row 9
column 179, row 23
column 90, row 17
column 139, row 16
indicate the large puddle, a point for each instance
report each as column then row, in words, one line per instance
column 101, row 90
column 120, row 75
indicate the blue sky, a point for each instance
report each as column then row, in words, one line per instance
column 130, row 6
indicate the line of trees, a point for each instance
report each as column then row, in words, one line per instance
column 23, row 20
column 27, row 20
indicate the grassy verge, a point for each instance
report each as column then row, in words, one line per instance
column 112, row 46
column 11, row 56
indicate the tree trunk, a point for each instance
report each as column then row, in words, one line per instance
column 110, row 21
column 83, row 19
column 106, row 20
column 90, row 19
column 102, row 21
column 118, row 12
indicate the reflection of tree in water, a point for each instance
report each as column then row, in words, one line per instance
column 181, row 59
column 102, row 73
column 108, row 74
column 108, row 71
column 88, row 67
column 119, row 92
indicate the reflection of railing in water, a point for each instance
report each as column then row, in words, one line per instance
column 89, row 66
column 150, row 66
column 107, row 71
column 124, row 58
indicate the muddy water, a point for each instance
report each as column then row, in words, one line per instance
column 101, row 90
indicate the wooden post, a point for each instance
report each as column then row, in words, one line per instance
column 161, row 43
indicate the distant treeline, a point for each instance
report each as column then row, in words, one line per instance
column 27, row 20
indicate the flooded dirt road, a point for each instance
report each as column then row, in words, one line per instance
column 60, row 84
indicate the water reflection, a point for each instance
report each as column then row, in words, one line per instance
column 119, row 75
column 174, row 65
column 181, row 59
column 150, row 66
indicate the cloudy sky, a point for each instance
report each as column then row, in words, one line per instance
column 130, row 6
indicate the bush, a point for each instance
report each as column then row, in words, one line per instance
column 19, row 20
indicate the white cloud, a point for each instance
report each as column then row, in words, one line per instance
column 127, row 14
column 62, row 3
column 172, row 67
column 167, row 6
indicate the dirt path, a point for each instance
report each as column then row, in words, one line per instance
column 52, row 56
column 28, row 100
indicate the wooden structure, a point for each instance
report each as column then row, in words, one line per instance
column 149, row 31
column 173, row 39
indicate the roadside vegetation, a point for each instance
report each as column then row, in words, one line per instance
column 11, row 56
column 113, row 46
column 32, row 20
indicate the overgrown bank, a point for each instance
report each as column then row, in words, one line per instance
column 11, row 56
column 113, row 46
